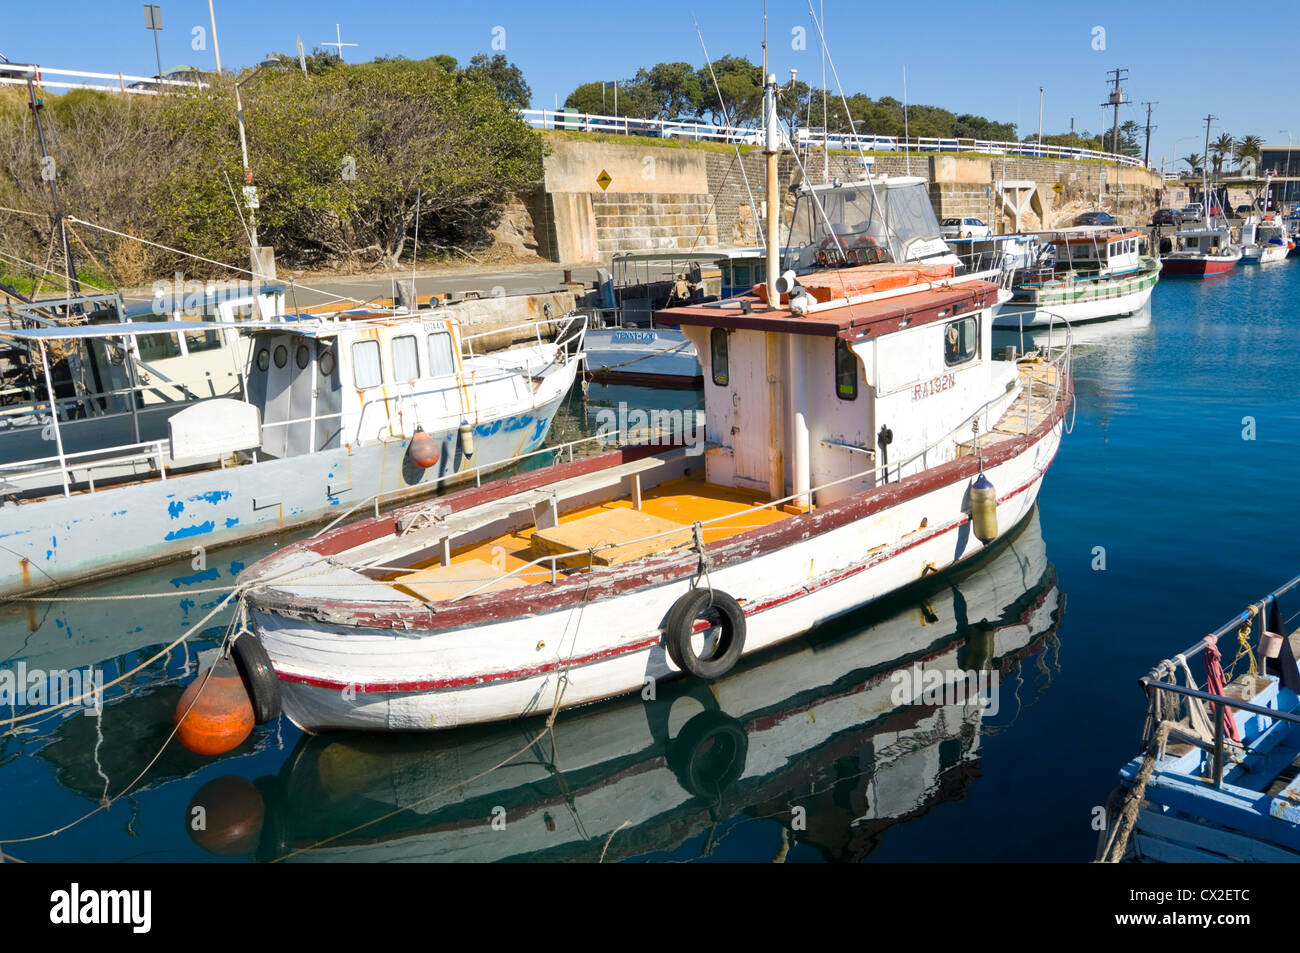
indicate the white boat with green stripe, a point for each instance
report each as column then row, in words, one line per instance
column 1083, row 274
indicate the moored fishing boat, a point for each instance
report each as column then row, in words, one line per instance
column 337, row 412
column 1264, row 241
column 860, row 436
column 1218, row 777
column 1084, row 274
column 1201, row 253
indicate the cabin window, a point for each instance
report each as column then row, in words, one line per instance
column 741, row 273
column 263, row 359
column 325, row 361
column 406, row 358
column 441, row 361
column 155, row 347
column 366, row 371
column 202, row 341
column 718, row 356
column 302, row 357
column 960, row 341
column 280, row 355
column 846, row 372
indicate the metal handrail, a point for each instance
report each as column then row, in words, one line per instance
column 806, row 137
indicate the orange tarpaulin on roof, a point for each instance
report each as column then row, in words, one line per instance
column 843, row 283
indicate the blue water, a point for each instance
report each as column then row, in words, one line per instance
column 1193, row 520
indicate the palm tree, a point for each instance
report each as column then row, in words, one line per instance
column 1220, row 149
column 1193, row 159
column 1248, row 150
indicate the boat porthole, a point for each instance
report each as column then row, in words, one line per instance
column 326, row 361
column 263, row 359
column 281, row 356
column 302, row 356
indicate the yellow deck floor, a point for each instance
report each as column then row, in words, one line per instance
column 683, row 500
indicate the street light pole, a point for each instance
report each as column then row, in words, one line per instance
column 1040, row 121
column 216, row 48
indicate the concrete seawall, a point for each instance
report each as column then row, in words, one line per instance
column 655, row 196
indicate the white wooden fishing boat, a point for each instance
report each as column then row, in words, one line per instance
column 1084, row 274
column 860, row 436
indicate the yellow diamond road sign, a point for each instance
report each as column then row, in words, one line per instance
column 1057, row 188
column 603, row 180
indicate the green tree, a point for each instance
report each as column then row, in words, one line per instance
column 740, row 86
column 1247, row 150
column 1194, row 160
column 502, row 76
column 1221, row 149
column 674, row 89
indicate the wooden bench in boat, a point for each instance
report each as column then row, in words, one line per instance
column 587, row 541
column 448, row 582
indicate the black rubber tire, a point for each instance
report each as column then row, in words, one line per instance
column 708, row 755
column 259, row 677
column 679, row 627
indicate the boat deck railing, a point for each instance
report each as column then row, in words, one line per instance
column 1058, row 358
column 1162, row 677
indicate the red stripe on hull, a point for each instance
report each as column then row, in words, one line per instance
column 1197, row 267
column 486, row 678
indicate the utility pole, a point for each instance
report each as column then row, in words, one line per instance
column 48, row 172
column 1115, row 100
column 1146, row 157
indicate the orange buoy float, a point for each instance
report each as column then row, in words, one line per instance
column 226, row 816
column 423, row 450
column 222, row 716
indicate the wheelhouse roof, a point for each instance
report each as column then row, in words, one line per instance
column 929, row 297
column 124, row 329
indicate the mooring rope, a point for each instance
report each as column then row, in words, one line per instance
column 1133, row 802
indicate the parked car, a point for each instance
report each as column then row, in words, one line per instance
column 1243, row 210
column 964, row 228
column 1167, row 216
column 1193, row 212
column 1096, row 218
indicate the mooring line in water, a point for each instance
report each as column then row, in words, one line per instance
column 139, row 595
column 125, row 675
column 106, row 802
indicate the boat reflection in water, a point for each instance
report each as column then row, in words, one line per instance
column 814, row 732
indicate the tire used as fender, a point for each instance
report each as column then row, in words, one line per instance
column 259, row 677
column 721, row 609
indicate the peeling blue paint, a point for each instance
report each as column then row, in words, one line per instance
column 186, row 606
column 208, row 575
column 511, row 424
column 214, row 497
column 188, row 531
column 175, row 508
column 236, row 567
column 232, row 521
column 488, row 429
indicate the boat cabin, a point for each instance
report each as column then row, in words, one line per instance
column 1096, row 252
column 373, row 376
column 868, row 221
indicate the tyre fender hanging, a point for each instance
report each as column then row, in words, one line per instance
column 720, row 610
column 259, row 677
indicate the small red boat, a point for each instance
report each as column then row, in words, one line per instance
column 1201, row 252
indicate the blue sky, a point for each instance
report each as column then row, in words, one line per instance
column 986, row 59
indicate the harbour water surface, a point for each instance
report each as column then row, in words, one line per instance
column 1171, row 504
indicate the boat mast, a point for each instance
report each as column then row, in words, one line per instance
column 1205, row 188
column 771, row 150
